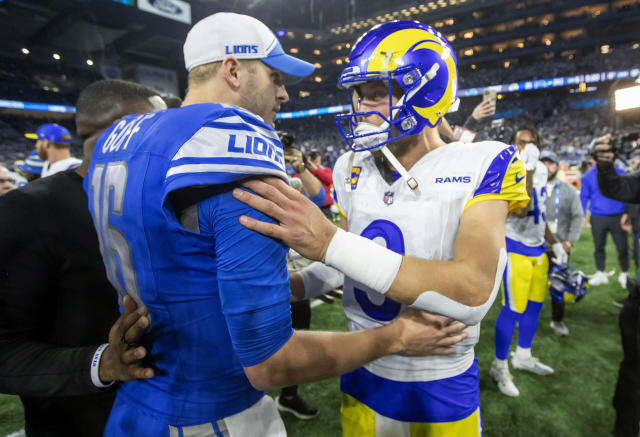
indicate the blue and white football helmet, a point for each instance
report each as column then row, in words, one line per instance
column 567, row 284
column 412, row 55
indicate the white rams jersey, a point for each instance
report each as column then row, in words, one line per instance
column 450, row 178
column 529, row 230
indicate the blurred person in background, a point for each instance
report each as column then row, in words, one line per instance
column 57, row 307
column 7, row 181
column 53, row 143
column 295, row 161
column 605, row 218
column 324, row 175
column 31, row 167
column 481, row 115
column 525, row 278
column 564, row 218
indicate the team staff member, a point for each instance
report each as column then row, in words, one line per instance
column 56, row 305
column 53, row 143
column 605, row 219
column 564, row 218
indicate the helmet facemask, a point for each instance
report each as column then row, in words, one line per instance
column 361, row 135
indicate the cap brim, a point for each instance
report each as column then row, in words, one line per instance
column 31, row 136
column 289, row 65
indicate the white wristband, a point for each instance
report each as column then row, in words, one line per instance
column 319, row 278
column 95, row 365
column 363, row 260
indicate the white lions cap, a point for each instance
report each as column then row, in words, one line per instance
column 225, row 34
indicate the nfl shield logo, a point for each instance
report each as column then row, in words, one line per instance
column 388, row 198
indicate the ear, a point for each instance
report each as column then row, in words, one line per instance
column 230, row 69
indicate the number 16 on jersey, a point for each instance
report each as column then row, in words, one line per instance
column 108, row 186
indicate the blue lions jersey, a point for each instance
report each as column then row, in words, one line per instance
column 218, row 294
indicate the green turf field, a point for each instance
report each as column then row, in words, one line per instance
column 574, row 402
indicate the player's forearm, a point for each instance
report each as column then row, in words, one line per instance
column 548, row 236
column 461, row 281
column 311, row 184
column 311, row 356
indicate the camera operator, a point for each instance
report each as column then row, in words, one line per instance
column 624, row 188
column 626, row 400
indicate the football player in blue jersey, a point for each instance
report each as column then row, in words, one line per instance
column 160, row 194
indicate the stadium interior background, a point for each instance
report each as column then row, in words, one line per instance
column 552, row 63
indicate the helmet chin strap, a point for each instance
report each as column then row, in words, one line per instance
column 411, row 181
column 378, row 135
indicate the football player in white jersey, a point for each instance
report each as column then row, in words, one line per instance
column 425, row 221
column 525, row 278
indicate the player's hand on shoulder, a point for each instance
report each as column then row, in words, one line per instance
column 422, row 333
column 303, row 227
column 530, row 155
column 122, row 359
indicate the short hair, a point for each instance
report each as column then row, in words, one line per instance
column 59, row 145
column 314, row 154
column 104, row 101
column 530, row 128
column 202, row 73
column 172, row 101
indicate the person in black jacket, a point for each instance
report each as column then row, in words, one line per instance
column 57, row 307
column 626, row 400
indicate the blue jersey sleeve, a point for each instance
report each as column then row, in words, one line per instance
column 252, row 277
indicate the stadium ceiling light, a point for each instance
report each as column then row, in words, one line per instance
column 468, row 52
column 468, row 35
column 89, row 62
column 317, row 79
column 635, row 46
column 605, row 49
column 317, row 65
column 347, row 45
column 25, row 50
column 293, row 50
column 316, row 52
column 56, row 56
column 473, row 66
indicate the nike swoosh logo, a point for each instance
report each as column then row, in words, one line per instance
column 518, row 179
